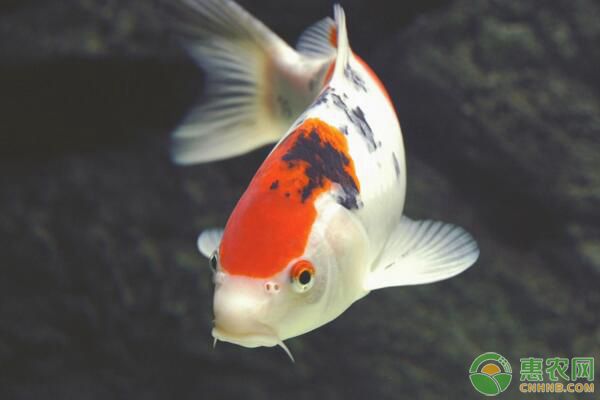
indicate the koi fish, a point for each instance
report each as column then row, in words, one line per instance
column 321, row 224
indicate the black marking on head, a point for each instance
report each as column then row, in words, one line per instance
column 324, row 162
column 354, row 77
column 357, row 118
column 275, row 185
column 396, row 165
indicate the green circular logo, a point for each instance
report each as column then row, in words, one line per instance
column 490, row 374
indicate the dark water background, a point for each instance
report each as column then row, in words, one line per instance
column 102, row 291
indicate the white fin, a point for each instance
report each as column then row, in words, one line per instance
column 343, row 46
column 209, row 240
column 315, row 41
column 423, row 252
column 255, row 87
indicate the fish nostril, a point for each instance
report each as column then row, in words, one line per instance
column 272, row 287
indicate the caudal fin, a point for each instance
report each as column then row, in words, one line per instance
column 254, row 87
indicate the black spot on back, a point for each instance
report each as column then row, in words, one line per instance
column 322, row 99
column 274, row 185
column 354, row 77
column 324, row 162
column 396, row 165
column 357, row 118
column 365, row 129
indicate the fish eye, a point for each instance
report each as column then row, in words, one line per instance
column 303, row 274
column 213, row 261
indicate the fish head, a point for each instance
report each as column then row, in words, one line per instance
column 309, row 290
column 264, row 311
column 288, row 254
column 241, row 308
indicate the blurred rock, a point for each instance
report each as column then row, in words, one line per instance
column 505, row 95
column 38, row 31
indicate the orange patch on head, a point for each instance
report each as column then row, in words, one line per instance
column 272, row 221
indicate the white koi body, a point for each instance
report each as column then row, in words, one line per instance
column 321, row 224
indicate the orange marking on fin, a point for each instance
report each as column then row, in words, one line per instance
column 333, row 36
column 375, row 78
column 331, row 68
column 273, row 219
column 333, row 42
column 329, row 73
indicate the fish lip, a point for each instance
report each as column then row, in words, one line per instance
column 268, row 338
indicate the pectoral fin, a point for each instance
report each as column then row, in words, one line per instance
column 420, row 252
column 209, row 240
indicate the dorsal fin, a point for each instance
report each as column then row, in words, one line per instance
column 319, row 39
column 343, row 46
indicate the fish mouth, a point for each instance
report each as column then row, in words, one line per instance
column 246, row 340
column 266, row 338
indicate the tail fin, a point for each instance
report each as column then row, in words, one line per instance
column 254, row 87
